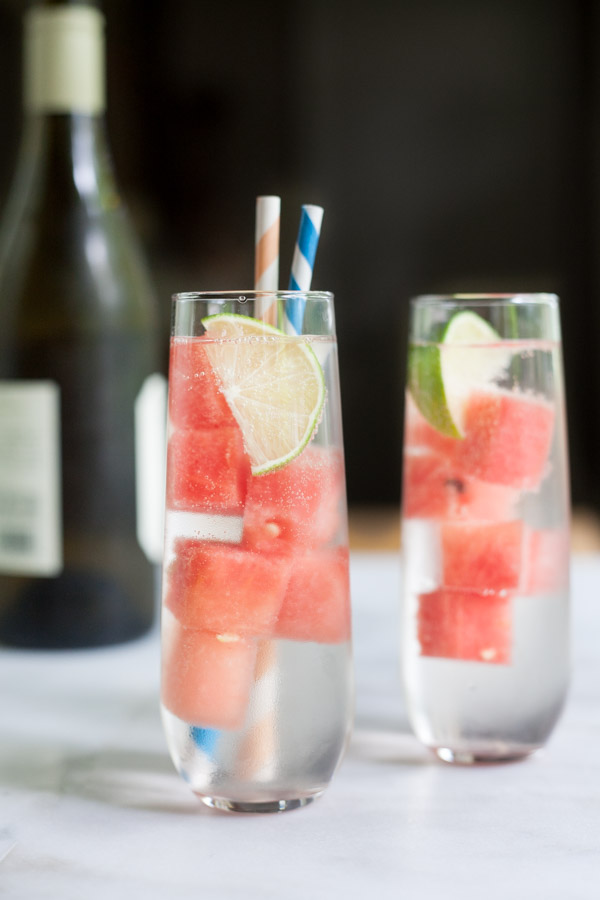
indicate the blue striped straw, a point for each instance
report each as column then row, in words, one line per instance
column 303, row 263
column 205, row 738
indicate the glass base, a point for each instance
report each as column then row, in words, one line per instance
column 265, row 806
column 470, row 758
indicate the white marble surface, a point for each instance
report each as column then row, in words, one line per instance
column 90, row 806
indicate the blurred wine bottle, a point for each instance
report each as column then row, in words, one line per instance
column 81, row 394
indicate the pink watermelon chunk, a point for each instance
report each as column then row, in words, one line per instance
column 316, row 605
column 206, row 679
column 207, row 470
column 434, row 487
column 546, row 561
column 420, row 435
column 507, row 438
column 299, row 504
column 226, row 589
column 465, row 625
column 482, row 556
column 195, row 397
column 428, row 488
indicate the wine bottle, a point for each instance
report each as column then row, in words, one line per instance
column 81, row 389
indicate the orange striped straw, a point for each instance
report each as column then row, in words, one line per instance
column 257, row 753
column 266, row 254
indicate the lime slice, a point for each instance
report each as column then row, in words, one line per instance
column 273, row 384
column 427, row 387
column 440, row 376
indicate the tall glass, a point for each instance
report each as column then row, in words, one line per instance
column 256, row 656
column 485, row 647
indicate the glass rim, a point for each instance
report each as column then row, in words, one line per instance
column 244, row 295
column 540, row 298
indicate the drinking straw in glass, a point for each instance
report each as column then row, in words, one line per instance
column 303, row 262
column 266, row 254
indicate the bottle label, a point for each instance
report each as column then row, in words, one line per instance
column 30, row 495
column 64, row 60
column 150, row 468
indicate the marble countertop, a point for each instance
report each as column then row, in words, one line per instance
column 91, row 806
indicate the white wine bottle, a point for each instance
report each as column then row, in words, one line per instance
column 81, row 428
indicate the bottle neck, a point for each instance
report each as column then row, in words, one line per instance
column 68, row 154
column 64, row 157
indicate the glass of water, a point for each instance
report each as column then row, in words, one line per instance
column 485, row 639
column 256, row 661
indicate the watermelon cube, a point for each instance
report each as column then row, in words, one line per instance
column 224, row 588
column 482, row 556
column 316, row 605
column 207, row 469
column 507, row 438
column 546, row 561
column 428, row 489
column 466, row 625
column 420, row 435
column 434, row 487
column 299, row 504
column 207, row 678
column 195, row 397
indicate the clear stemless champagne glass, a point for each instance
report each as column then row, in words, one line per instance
column 485, row 647
column 256, row 661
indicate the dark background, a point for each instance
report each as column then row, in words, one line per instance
column 454, row 146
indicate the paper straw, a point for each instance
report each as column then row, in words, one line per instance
column 258, row 750
column 257, row 754
column 266, row 254
column 303, row 262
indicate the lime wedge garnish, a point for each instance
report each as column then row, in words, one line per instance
column 427, row 387
column 273, row 384
column 441, row 375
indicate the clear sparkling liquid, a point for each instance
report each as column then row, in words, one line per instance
column 474, row 710
column 296, row 730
